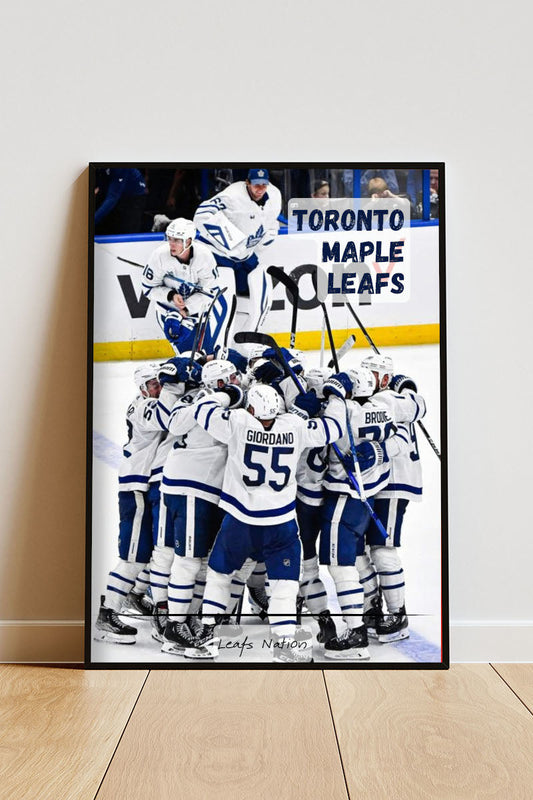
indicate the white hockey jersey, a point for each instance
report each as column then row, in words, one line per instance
column 310, row 473
column 405, row 479
column 260, row 479
column 368, row 421
column 195, row 464
column 139, row 452
column 235, row 225
column 165, row 273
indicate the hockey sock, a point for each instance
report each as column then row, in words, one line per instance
column 143, row 581
column 217, row 593
column 368, row 578
column 160, row 566
column 238, row 582
column 349, row 593
column 258, row 577
column 199, row 588
column 391, row 578
column 311, row 587
column 282, row 607
column 120, row 581
column 181, row 586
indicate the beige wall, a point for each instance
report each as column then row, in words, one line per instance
column 195, row 81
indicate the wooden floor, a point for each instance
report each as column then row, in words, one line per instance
column 67, row 734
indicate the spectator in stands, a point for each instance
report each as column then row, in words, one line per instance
column 377, row 189
column 321, row 189
column 388, row 175
column 122, row 196
column 434, row 193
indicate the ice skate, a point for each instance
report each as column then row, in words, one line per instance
column 351, row 645
column 109, row 627
column 373, row 615
column 393, row 627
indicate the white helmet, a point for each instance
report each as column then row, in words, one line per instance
column 364, row 383
column 255, row 351
column 316, row 378
column 142, row 375
column 181, row 228
column 217, row 370
column 264, row 400
column 380, row 364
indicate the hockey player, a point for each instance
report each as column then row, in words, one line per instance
column 264, row 368
column 192, row 482
column 135, row 533
column 345, row 515
column 259, row 496
column 309, row 499
column 181, row 278
column 380, row 566
column 237, row 225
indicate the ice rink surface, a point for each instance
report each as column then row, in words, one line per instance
column 421, row 537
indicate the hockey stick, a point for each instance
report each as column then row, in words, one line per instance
column 328, row 326
column 343, row 349
column 294, row 291
column 250, row 337
column 375, row 349
column 322, row 341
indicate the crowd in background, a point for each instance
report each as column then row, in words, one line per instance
column 141, row 200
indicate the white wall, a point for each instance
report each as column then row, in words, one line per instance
column 280, row 81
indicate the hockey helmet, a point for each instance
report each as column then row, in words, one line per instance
column 181, row 228
column 256, row 351
column 142, row 375
column 380, row 364
column 316, row 377
column 264, row 400
column 364, row 383
column 218, row 370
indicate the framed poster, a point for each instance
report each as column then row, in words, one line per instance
column 267, row 416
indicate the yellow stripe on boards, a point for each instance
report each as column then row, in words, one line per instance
column 305, row 340
column 382, row 337
column 132, row 351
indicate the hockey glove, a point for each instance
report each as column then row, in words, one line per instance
column 179, row 370
column 172, row 325
column 235, row 394
column 370, row 454
column 293, row 363
column 306, row 405
column 400, row 382
column 339, row 385
column 267, row 371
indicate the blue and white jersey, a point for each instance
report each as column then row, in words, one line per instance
column 195, row 464
column 235, row 225
column 260, row 478
column 368, row 421
column 165, row 273
column 405, row 481
column 310, row 474
column 144, row 439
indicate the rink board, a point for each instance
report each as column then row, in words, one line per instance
column 126, row 328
